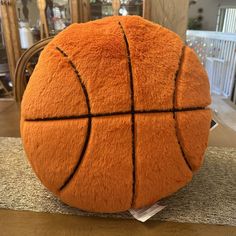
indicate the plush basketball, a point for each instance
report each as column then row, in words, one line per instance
column 115, row 114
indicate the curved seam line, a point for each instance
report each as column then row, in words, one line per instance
column 132, row 111
column 76, row 167
column 174, row 100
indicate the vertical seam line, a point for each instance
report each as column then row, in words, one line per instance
column 132, row 110
column 174, row 105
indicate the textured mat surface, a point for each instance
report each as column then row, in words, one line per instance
column 209, row 198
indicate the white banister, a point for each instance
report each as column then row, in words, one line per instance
column 217, row 52
column 212, row 35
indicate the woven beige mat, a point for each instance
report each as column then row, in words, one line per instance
column 210, row 197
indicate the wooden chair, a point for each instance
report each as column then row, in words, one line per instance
column 25, row 67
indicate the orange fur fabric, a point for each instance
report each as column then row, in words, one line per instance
column 114, row 116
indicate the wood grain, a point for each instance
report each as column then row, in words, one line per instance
column 16, row 47
column 168, row 13
column 74, row 8
column 31, row 223
column 8, row 39
column 83, row 11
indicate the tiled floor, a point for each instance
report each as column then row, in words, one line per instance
column 224, row 110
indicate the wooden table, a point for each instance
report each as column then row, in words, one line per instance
column 35, row 224
column 31, row 223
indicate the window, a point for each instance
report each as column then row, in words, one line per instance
column 226, row 21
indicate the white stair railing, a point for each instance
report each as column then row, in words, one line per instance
column 217, row 52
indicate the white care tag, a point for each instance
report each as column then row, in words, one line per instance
column 146, row 213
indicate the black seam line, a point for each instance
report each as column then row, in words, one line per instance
column 132, row 112
column 115, row 114
column 174, row 101
column 79, row 78
column 177, row 75
column 68, row 179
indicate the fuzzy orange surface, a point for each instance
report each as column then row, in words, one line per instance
column 114, row 116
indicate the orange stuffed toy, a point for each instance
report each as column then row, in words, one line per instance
column 114, row 116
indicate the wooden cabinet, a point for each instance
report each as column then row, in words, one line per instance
column 9, row 46
column 24, row 22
